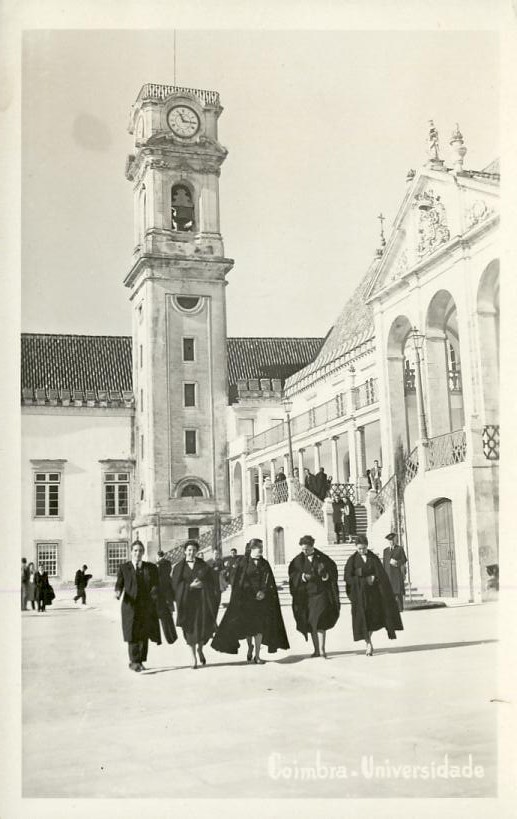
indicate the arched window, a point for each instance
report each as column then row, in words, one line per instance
column 278, row 546
column 182, row 209
column 191, row 490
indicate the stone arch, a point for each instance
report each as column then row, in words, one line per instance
column 442, row 364
column 398, row 392
column 191, row 487
column 488, row 334
column 237, row 489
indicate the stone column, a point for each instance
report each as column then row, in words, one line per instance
column 316, row 448
column 439, row 419
column 397, row 406
column 286, row 464
column 260, row 471
column 489, row 355
column 272, row 471
column 300, row 463
column 361, row 452
column 335, row 459
column 352, row 451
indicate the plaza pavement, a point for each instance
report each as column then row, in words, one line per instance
column 92, row 728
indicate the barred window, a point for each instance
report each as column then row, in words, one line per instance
column 46, row 556
column 117, row 552
column 46, row 488
column 116, row 494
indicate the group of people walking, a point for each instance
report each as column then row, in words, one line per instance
column 194, row 586
column 35, row 587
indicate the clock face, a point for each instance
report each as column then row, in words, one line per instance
column 183, row 121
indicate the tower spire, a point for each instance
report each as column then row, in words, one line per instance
column 380, row 249
column 459, row 149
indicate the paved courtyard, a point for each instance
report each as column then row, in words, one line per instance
column 400, row 724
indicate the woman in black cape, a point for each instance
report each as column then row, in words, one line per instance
column 369, row 590
column 313, row 585
column 196, row 592
column 254, row 610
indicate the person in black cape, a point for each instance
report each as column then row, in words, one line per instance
column 137, row 580
column 44, row 593
column 394, row 561
column 314, row 589
column 165, row 599
column 348, row 519
column 369, row 590
column 197, row 596
column 81, row 582
column 254, row 611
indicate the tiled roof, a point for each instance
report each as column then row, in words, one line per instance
column 99, row 368
column 269, row 357
column 80, row 368
column 352, row 329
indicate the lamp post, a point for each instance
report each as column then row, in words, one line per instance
column 288, row 405
column 159, row 527
column 418, row 342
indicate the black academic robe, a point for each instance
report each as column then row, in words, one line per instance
column 348, row 515
column 315, row 602
column 43, row 591
column 373, row 606
column 320, row 485
column 81, row 579
column 247, row 616
column 197, row 608
column 165, row 600
column 395, row 574
column 138, row 609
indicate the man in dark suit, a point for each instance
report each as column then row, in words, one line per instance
column 394, row 560
column 42, row 588
column 81, row 581
column 139, row 582
column 25, row 582
column 321, row 484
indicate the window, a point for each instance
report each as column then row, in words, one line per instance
column 191, row 490
column 193, row 532
column 190, row 442
column 116, row 493
column 189, row 395
column 142, row 447
column 182, row 209
column 117, row 552
column 141, row 355
column 187, row 302
column 46, row 556
column 47, row 494
column 188, row 349
column 141, row 400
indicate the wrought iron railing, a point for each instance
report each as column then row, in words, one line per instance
column 337, row 407
column 446, row 450
column 386, row 497
column 491, row 439
column 411, row 466
column 455, row 380
column 342, row 491
column 310, row 503
column 206, row 540
column 366, row 393
column 280, row 492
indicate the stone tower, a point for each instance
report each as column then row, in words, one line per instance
column 177, row 283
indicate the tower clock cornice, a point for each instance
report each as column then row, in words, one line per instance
column 153, row 266
column 173, row 157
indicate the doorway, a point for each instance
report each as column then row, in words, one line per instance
column 443, row 555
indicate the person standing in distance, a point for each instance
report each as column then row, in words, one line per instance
column 81, row 581
column 394, row 560
column 138, row 581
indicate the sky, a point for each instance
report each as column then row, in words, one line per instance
column 321, row 128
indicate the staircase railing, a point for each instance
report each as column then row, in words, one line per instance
column 280, row 492
column 342, row 491
column 206, row 540
column 446, row 450
column 411, row 466
column 312, row 504
column 386, row 496
column 491, row 439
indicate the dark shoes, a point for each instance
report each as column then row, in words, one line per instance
column 259, row 661
column 202, row 658
column 249, row 655
column 315, row 654
column 136, row 667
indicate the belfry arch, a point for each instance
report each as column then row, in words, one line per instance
column 443, row 366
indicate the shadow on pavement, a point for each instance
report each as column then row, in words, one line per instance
column 422, row 647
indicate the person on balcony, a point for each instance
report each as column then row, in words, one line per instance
column 197, row 596
column 314, row 589
column 308, row 480
column 280, row 476
column 254, row 611
column 321, row 484
column 348, row 519
column 369, row 591
column 394, row 560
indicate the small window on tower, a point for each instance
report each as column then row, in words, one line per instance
column 189, row 395
column 182, row 209
column 188, row 349
column 190, row 442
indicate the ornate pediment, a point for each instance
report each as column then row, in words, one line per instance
column 432, row 226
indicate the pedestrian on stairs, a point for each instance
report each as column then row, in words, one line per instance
column 314, row 589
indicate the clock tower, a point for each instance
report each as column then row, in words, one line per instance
column 177, row 284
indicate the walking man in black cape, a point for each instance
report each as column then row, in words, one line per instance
column 81, row 581
column 314, row 589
